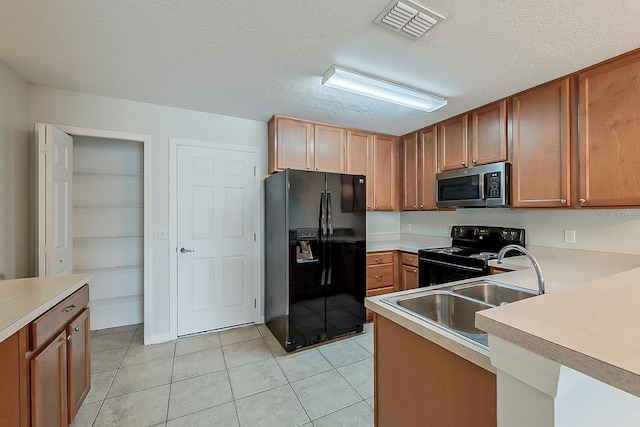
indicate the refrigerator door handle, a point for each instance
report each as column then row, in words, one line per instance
column 329, row 238
column 323, row 234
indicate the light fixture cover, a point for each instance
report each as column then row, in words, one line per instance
column 385, row 90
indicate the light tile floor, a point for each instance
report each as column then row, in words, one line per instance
column 239, row 377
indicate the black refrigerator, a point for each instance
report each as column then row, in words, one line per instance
column 315, row 272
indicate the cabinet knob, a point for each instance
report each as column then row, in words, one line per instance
column 375, row 207
column 410, row 259
column 308, row 167
column 69, row 338
column 77, row 328
column 414, row 206
column 473, row 161
column 463, row 163
column 378, row 277
column 421, row 206
column 415, row 271
column 377, row 259
column 581, row 200
column 368, row 206
column 563, row 201
column 317, row 168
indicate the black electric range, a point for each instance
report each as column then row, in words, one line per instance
column 471, row 249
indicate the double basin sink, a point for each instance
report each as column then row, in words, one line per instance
column 453, row 308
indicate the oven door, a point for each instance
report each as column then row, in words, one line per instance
column 436, row 272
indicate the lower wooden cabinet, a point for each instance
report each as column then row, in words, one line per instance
column 409, row 270
column 45, row 368
column 418, row 383
column 383, row 271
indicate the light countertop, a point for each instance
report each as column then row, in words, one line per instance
column 407, row 243
column 23, row 300
column 587, row 320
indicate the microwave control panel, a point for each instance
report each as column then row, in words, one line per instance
column 493, row 185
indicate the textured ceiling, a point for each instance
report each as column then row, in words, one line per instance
column 253, row 59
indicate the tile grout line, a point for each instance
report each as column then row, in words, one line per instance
column 173, row 364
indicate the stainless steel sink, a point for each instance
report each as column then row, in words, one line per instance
column 492, row 292
column 454, row 308
column 450, row 311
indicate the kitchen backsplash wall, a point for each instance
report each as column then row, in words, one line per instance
column 607, row 230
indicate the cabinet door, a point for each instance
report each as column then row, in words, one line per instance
column 385, row 173
column 294, row 144
column 541, row 137
column 78, row 362
column 609, row 134
column 357, row 152
column 410, row 172
column 329, row 149
column 489, row 134
column 13, row 388
column 409, row 277
column 428, row 169
column 49, row 384
column 453, row 143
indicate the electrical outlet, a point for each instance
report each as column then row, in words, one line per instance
column 408, row 226
column 569, row 236
column 447, row 229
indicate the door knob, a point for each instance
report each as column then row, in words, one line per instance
column 185, row 250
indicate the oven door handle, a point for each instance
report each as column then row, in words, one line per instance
column 452, row 265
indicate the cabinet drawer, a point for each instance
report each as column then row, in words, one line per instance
column 380, row 258
column 55, row 319
column 379, row 276
column 410, row 259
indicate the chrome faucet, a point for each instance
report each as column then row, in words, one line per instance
column 533, row 260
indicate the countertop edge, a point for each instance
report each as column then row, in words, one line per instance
column 449, row 342
column 42, row 308
column 588, row 365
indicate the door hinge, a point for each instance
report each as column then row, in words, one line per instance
column 254, row 171
column 44, row 250
column 255, row 237
column 45, row 148
column 255, row 304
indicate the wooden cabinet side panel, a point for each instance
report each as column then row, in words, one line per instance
column 541, row 138
column 357, row 152
column 11, row 384
column 409, row 277
column 78, row 362
column 49, row 384
column 418, row 383
column 410, row 172
column 489, row 134
column 329, row 149
column 428, row 153
column 453, row 143
column 609, row 133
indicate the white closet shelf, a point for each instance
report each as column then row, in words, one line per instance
column 109, row 269
column 96, row 241
column 108, row 206
column 105, row 174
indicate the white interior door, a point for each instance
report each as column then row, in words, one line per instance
column 55, row 208
column 217, row 201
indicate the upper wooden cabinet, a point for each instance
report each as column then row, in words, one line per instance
column 488, row 134
column 383, row 178
column 452, row 144
column 419, row 170
column 302, row 145
column 541, row 143
column 357, row 151
column 609, row 133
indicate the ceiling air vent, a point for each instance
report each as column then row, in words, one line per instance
column 408, row 18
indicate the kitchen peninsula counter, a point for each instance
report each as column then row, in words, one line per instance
column 23, row 300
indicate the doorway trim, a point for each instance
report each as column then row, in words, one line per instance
column 173, row 225
column 148, row 314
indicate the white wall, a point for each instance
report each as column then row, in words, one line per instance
column 14, row 175
column 62, row 107
column 606, row 230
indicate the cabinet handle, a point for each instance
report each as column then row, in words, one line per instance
column 376, row 207
column 421, row 206
column 77, row 328
column 377, row 259
column 69, row 338
column 563, row 201
column 410, row 259
column 582, row 200
column 378, row 277
column 68, row 309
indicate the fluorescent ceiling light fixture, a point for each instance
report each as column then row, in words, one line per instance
column 378, row 88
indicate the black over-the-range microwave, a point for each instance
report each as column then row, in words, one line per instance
column 480, row 186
